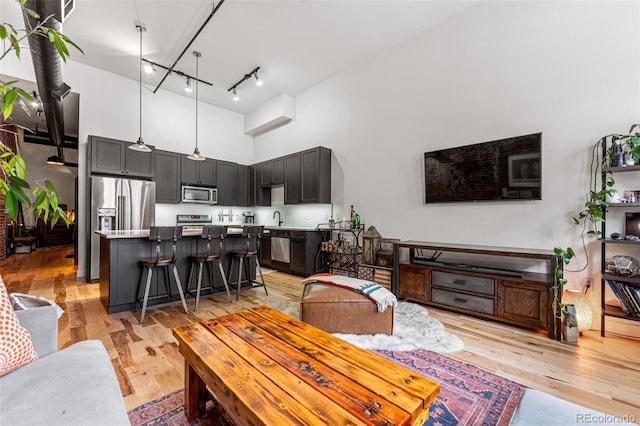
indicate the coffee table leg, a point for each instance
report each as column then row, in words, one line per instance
column 195, row 393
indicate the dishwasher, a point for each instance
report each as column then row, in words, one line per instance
column 280, row 250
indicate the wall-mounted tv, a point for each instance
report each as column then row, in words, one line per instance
column 501, row 170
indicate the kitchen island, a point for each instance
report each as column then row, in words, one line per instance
column 120, row 269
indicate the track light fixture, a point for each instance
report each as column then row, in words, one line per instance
column 196, row 152
column 55, row 160
column 253, row 73
column 149, row 68
column 188, row 88
column 155, row 66
column 140, row 145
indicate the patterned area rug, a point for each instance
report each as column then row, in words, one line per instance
column 468, row 395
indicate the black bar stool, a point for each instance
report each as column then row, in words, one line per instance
column 251, row 233
column 161, row 234
column 211, row 234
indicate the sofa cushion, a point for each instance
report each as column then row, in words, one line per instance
column 75, row 386
column 42, row 324
column 16, row 348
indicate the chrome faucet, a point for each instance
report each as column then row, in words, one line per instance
column 279, row 217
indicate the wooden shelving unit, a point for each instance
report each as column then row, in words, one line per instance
column 607, row 243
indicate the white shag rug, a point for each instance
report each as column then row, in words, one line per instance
column 413, row 328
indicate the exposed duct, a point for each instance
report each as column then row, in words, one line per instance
column 47, row 65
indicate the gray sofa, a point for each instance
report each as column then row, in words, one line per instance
column 74, row 386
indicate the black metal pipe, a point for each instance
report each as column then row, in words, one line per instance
column 204, row 24
column 47, row 65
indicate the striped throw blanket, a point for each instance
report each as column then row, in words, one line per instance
column 379, row 295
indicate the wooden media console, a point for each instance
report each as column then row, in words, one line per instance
column 512, row 296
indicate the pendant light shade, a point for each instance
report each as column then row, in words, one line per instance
column 196, row 156
column 140, row 145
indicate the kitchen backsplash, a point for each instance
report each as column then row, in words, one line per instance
column 308, row 216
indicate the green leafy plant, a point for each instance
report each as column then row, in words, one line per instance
column 592, row 215
column 13, row 185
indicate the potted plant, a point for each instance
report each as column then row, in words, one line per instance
column 592, row 215
column 13, row 185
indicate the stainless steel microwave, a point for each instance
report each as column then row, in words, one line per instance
column 198, row 194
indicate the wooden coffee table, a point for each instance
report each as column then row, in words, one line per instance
column 266, row 368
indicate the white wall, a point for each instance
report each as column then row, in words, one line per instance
column 570, row 70
column 109, row 107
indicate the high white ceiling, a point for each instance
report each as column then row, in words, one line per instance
column 297, row 44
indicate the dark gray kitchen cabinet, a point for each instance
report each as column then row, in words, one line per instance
column 315, row 168
column 272, row 172
column 264, row 254
column 260, row 195
column 198, row 172
column 168, row 178
column 308, row 177
column 298, row 252
column 227, row 183
column 243, row 186
column 112, row 157
column 292, row 179
column 304, row 248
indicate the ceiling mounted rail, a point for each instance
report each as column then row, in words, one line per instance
column 204, row 24
column 180, row 73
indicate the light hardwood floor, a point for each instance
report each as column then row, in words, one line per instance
column 599, row 373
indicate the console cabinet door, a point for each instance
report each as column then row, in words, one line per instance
column 414, row 283
column 168, row 180
column 523, row 303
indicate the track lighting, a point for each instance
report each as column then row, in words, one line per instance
column 188, row 88
column 55, row 160
column 253, row 73
column 139, row 145
column 149, row 68
column 258, row 79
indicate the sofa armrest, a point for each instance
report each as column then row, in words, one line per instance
column 42, row 324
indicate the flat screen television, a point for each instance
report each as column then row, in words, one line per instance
column 500, row 170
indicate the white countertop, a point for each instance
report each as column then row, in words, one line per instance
column 194, row 232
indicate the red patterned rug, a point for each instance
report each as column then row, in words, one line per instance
column 468, row 395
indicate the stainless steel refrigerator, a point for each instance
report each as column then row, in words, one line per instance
column 118, row 204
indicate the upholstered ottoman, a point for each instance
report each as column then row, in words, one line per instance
column 338, row 310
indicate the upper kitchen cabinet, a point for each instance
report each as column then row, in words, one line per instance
column 112, row 157
column 243, row 186
column 259, row 195
column 198, row 172
column 168, row 180
column 227, row 183
column 272, row 172
column 308, row 177
column 292, row 179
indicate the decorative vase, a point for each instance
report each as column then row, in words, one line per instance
column 571, row 331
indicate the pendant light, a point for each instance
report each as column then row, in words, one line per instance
column 196, row 152
column 140, row 145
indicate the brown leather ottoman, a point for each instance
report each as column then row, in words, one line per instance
column 338, row 310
